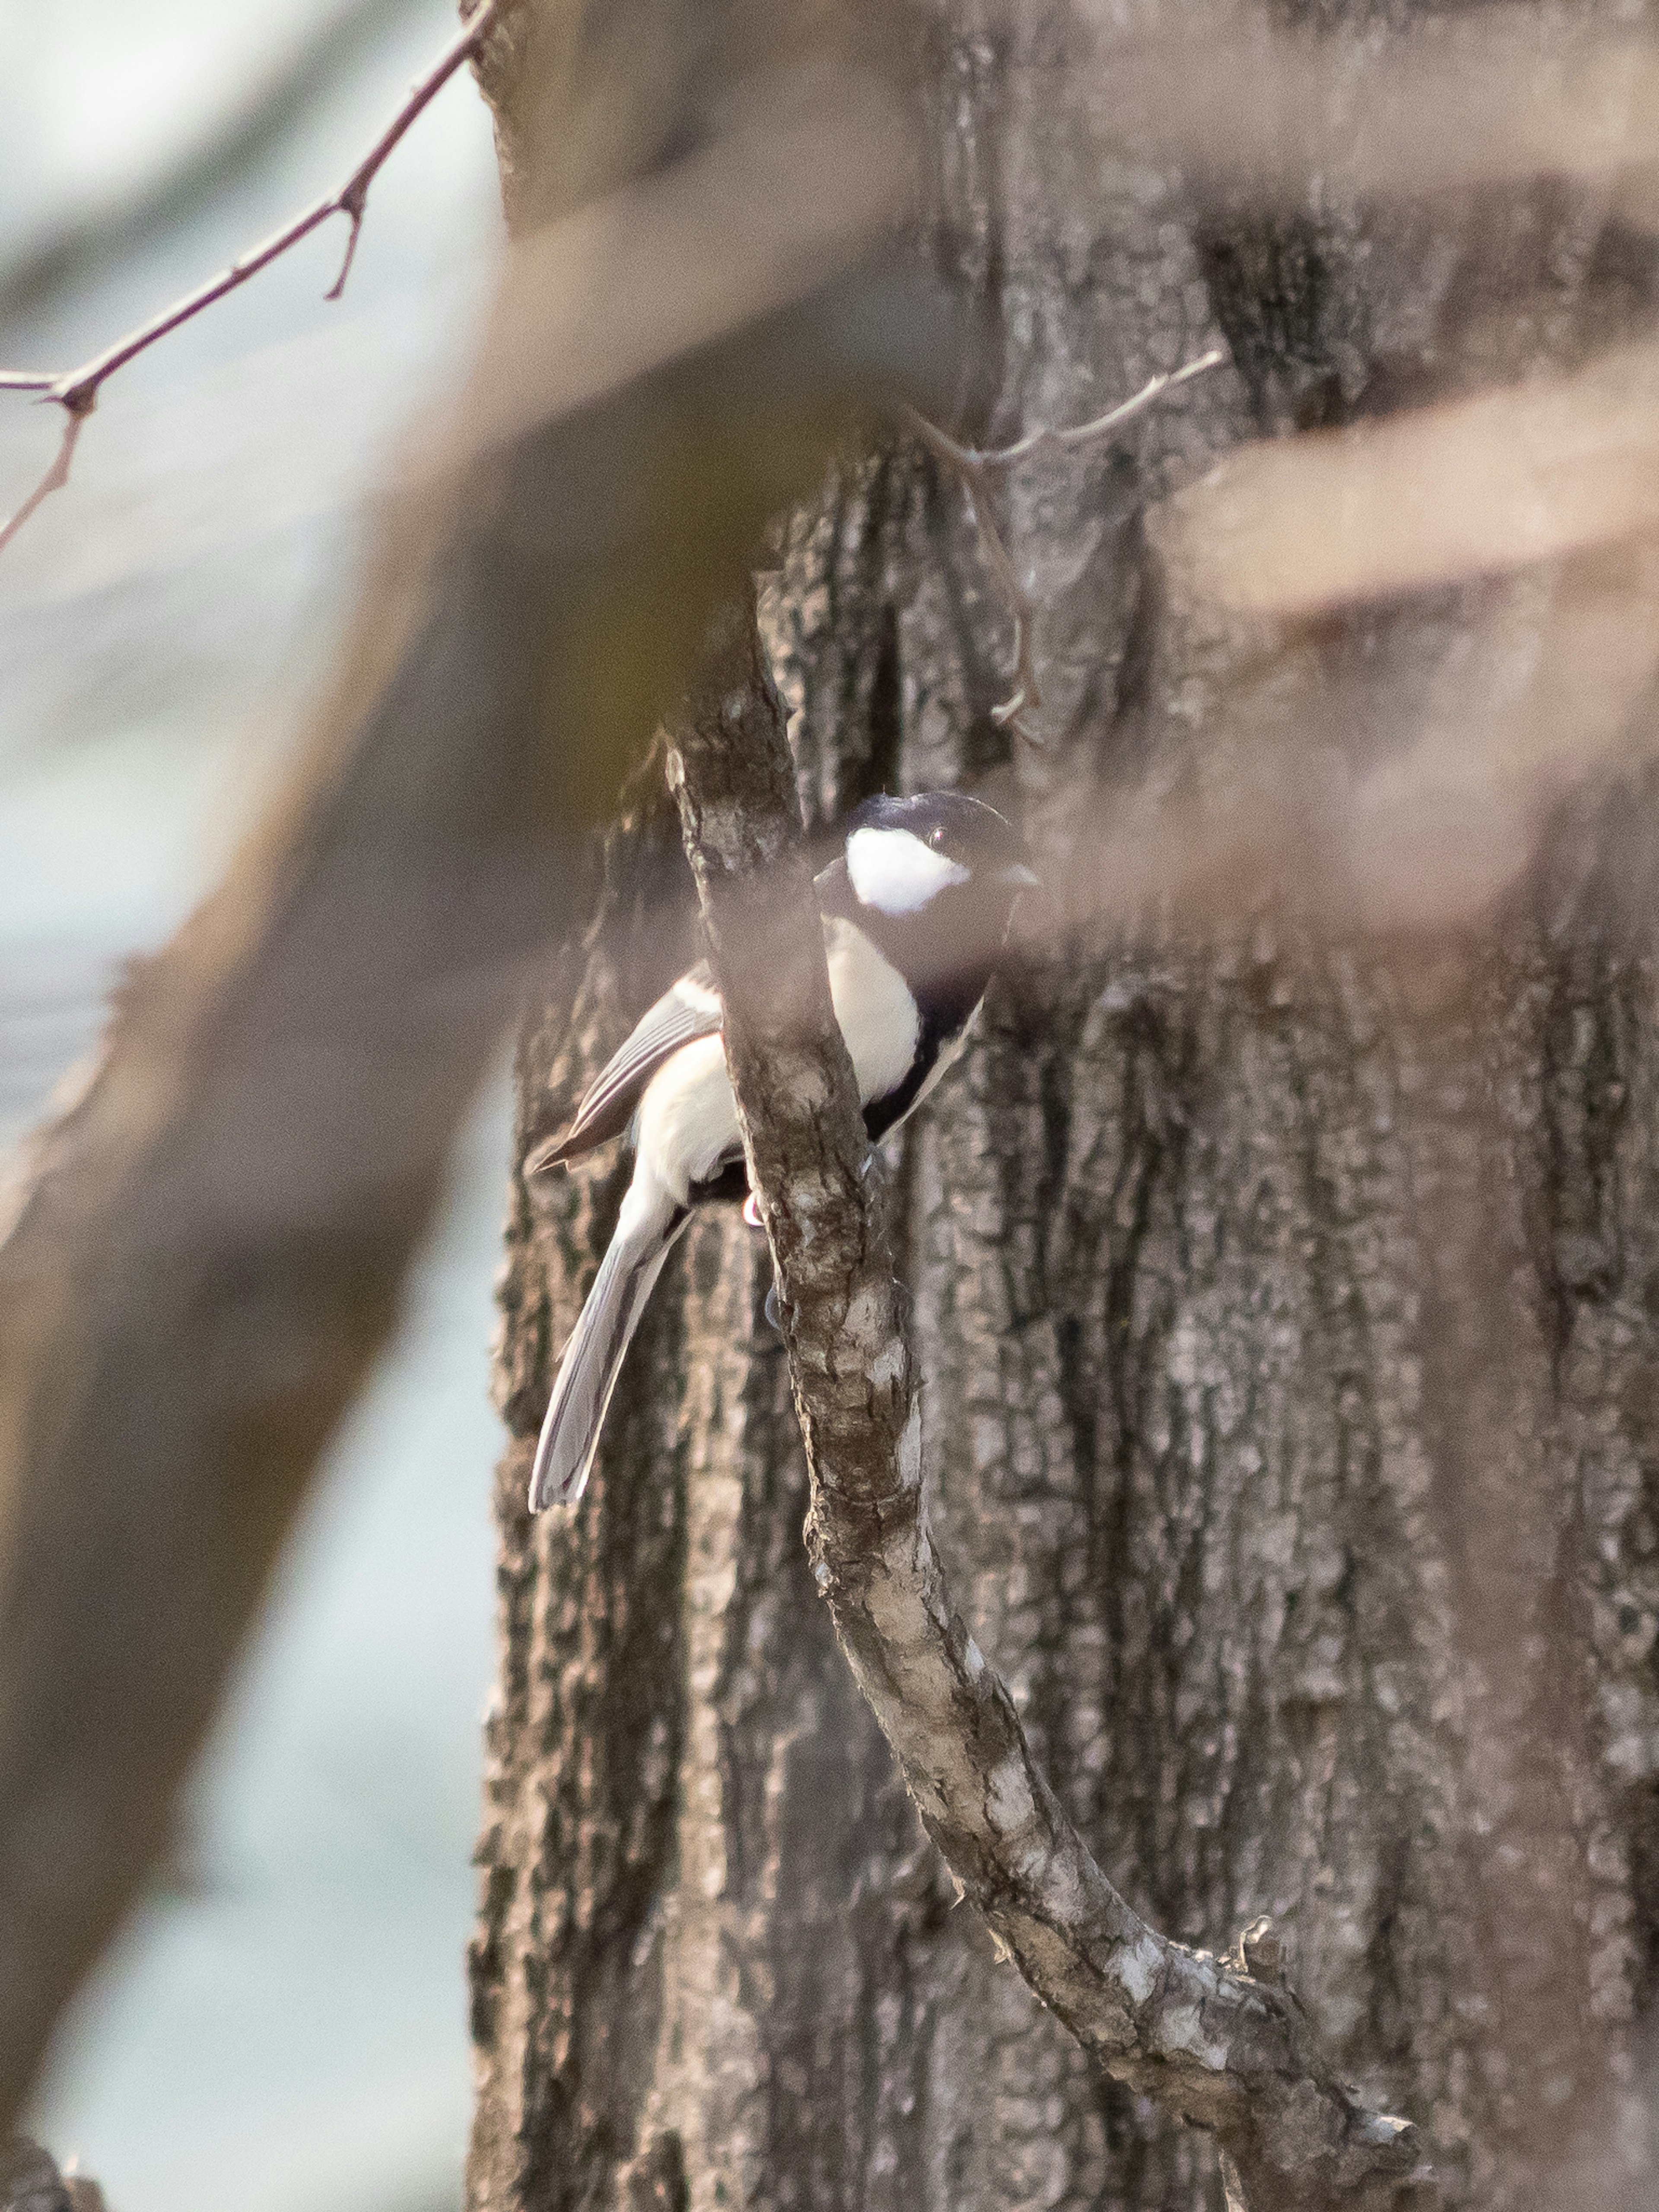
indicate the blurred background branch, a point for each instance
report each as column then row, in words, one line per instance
column 227, row 134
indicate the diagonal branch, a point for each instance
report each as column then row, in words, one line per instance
column 1206, row 2038
column 973, row 464
column 75, row 390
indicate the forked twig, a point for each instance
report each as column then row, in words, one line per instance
column 56, row 476
column 972, row 464
column 75, row 390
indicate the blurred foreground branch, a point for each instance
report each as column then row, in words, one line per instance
column 1510, row 477
column 207, row 1252
column 30, row 2182
column 291, row 75
column 1206, row 2038
column 1449, row 101
column 77, row 390
column 1535, row 504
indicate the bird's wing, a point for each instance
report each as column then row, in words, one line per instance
column 688, row 1010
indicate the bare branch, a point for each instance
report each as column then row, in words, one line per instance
column 299, row 65
column 352, row 204
column 971, row 464
column 1207, row 2040
column 1085, row 433
column 75, row 390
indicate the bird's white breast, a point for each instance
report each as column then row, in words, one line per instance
column 874, row 1006
column 687, row 1119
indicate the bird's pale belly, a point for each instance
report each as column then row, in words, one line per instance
column 873, row 1004
column 687, row 1125
column 687, row 1118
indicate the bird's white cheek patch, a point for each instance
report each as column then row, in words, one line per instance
column 895, row 873
column 694, row 995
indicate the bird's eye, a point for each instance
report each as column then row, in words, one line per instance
column 937, row 841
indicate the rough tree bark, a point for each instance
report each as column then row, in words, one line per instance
column 1219, row 2044
column 1286, row 1295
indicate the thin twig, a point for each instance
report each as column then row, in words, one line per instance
column 970, row 467
column 972, row 464
column 1089, row 433
column 75, row 390
column 55, row 477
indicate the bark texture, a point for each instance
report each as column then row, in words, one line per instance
column 1218, row 2043
column 1285, row 1299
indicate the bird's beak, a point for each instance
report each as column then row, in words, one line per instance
column 1019, row 878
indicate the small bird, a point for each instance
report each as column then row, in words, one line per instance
column 915, row 910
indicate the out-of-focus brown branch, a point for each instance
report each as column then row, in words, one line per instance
column 972, row 464
column 1449, row 101
column 1479, row 486
column 207, row 1252
column 77, row 390
column 30, row 2182
column 1540, row 502
column 1205, row 2038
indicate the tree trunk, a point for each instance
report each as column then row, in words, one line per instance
column 1286, row 1292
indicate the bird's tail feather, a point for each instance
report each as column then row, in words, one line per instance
column 646, row 1231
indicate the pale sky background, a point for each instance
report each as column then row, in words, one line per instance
column 289, row 2033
